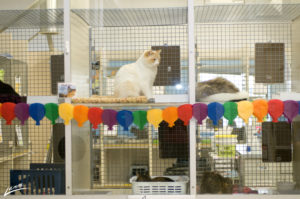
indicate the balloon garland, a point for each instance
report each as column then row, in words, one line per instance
column 200, row 111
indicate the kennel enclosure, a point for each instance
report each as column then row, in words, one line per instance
column 228, row 42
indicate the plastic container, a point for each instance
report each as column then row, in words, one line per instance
column 285, row 186
column 179, row 186
column 206, row 139
column 226, row 145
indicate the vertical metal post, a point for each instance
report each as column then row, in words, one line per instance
column 150, row 148
column 90, row 62
column 192, row 83
column 67, row 68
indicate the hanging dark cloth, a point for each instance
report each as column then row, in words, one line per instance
column 174, row 141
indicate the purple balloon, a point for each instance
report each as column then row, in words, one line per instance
column 290, row 109
column 109, row 117
column 22, row 112
column 200, row 112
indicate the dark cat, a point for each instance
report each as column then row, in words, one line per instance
column 218, row 85
column 213, row 183
column 8, row 94
column 144, row 177
column 7, row 89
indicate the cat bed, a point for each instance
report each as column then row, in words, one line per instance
column 179, row 186
column 286, row 96
column 95, row 99
column 225, row 97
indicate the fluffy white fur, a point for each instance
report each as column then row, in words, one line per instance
column 137, row 78
column 226, row 97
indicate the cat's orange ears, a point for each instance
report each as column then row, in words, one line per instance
column 158, row 51
column 150, row 52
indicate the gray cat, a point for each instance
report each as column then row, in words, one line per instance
column 227, row 90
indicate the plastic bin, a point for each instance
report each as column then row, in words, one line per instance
column 179, row 186
column 206, row 139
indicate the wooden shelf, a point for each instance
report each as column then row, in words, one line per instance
column 134, row 105
column 125, row 146
column 116, row 185
column 14, row 156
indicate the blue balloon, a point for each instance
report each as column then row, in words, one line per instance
column 215, row 112
column 37, row 112
column 299, row 107
column 125, row 119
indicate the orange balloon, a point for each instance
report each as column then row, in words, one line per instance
column 154, row 117
column 260, row 109
column 245, row 110
column 80, row 114
column 170, row 115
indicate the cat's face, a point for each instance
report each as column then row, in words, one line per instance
column 152, row 57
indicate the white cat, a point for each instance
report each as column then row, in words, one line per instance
column 136, row 79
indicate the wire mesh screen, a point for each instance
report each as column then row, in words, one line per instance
column 133, row 161
column 26, row 48
column 234, row 158
column 136, row 161
column 113, row 47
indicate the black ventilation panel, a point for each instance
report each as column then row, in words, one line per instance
column 168, row 73
column 57, row 71
column 276, row 142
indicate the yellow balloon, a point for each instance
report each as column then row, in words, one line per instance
column 154, row 116
column 80, row 114
column 65, row 111
column 245, row 110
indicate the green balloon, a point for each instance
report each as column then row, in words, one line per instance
column 51, row 112
column 230, row 111
column 140, row 119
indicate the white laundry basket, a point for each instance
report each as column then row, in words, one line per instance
column 179, row 186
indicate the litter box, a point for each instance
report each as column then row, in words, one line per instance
column 179, row 186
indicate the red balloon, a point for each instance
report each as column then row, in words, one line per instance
column 276, row 108
column 185, row 113
column 95, row 116
column 8, row 112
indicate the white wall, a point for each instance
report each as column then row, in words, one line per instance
column 23, row 4
column 137, row 3
column 295, row 55
column 80, row 55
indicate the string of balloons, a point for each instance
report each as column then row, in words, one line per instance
column 215, row 111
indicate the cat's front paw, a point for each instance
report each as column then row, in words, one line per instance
column 151, row 100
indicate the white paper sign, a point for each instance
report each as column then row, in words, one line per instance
column 19, row 135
